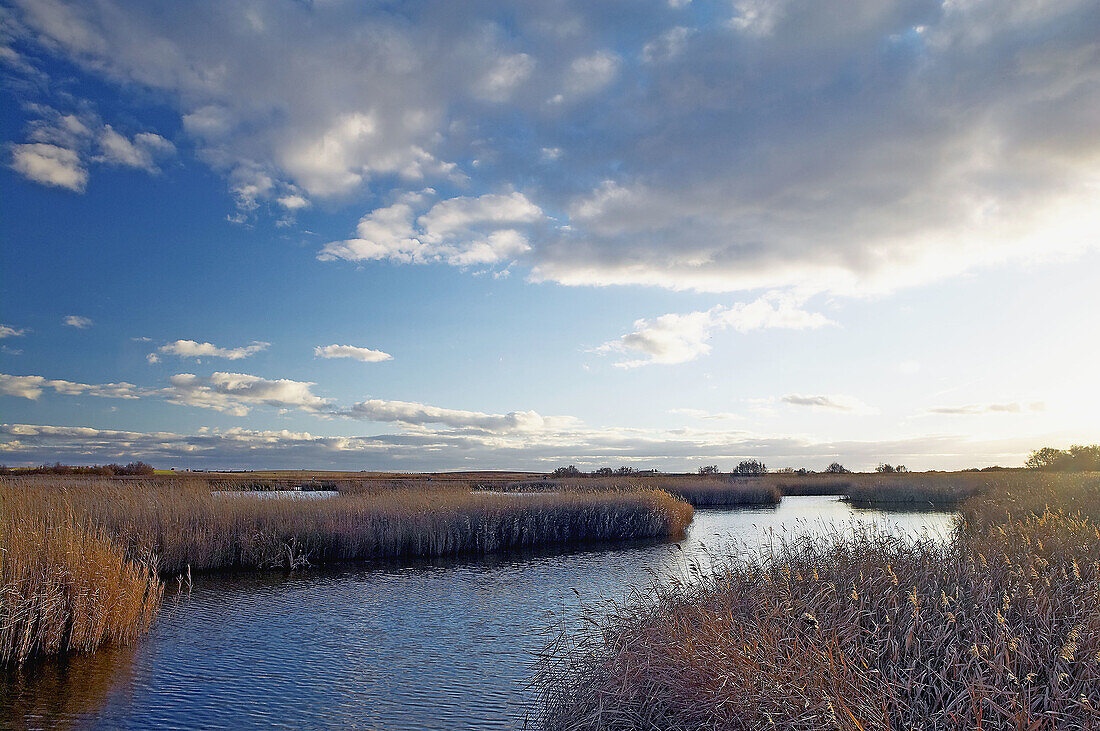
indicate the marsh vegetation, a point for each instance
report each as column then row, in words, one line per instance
column 997, row 627
column 80, row 558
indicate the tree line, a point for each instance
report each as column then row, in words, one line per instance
column 106, row 470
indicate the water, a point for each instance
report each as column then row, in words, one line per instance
column 412, row 645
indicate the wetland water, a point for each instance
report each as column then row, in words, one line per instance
column 410, row 645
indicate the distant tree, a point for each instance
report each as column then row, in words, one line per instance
column 569, row 471
column 786, row 471
column 750, row 467
column 886, row 468
column 836, row 468
column 1078, row 458
column 1048, row 458
column 710, row 469
column 604, row 472
column 624, row 471
column 1085, row 458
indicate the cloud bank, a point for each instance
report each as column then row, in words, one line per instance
column 754, row 145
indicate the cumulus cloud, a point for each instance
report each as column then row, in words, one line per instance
column 366, row 355
column 50, row 165
column 78, row 321
column 236, row 393
column 140, row 152
column 7, row 331
column 194, row 349
column 461, row 231
column 678, row 338
column 589, row 74
column 60, row 146
column 31, row 387
column 786, row 144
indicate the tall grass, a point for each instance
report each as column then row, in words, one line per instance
column 185, row 524
column 695, row 490
column 929, row 488
column 66, row 584
column 998, row 627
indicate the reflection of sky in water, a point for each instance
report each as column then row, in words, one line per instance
column 424, row 644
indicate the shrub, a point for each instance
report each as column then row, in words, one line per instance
column 750, row 467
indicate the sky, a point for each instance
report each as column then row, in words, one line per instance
column 663, row 234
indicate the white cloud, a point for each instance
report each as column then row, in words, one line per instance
column 236, row 393
column 504, row 76
column 791, row 146
column 441, row 450
column 152, row 358
column 50, row 165
column 293, row 202
column 193, row 349
column 28, row 387
column 31, row 387
column 417, row 414
column 78, row 321
column 7, row 331
column 460, row 231
column 140, row 152
column 1011, row 407
column 59, row 147
column 678, row 338
column 830, row 403
column 366, row 355
column 666, row 46
column 589, row 74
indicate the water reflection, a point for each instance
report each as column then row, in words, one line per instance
column 439, row 643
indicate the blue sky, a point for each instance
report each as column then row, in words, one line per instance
column 664, row 235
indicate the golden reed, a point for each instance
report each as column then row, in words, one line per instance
column 997, row 627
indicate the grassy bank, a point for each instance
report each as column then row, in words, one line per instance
column 997, row 628
column 76, row 565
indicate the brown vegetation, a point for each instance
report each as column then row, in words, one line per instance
column 76, row 565
column 998, row 627
column 697, row 490
column 65, row 583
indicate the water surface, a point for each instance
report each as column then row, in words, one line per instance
column 413, row 645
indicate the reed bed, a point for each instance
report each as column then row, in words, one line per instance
column 928, row 488
column 695, row 490
column 998, row 627
column 811, row 484
column 186, row 525
column 66, row 584
column 77, row 563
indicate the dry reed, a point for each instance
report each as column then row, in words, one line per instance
column 997, row 628
column 185, row 524
column 696, row 490
column 75, row 553
column 66, row 584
